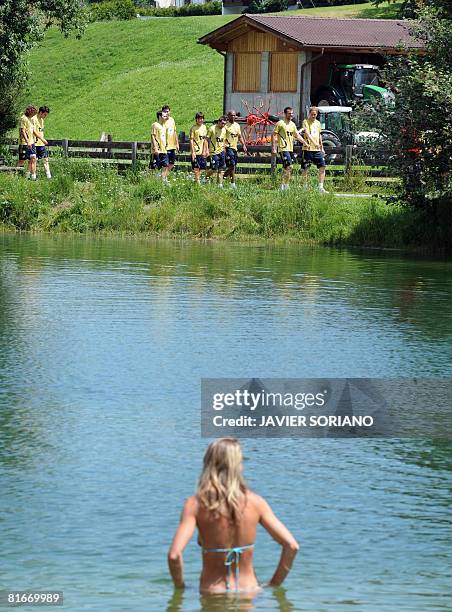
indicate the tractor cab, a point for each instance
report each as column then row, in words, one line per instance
column 353, row 78
column 350, row 82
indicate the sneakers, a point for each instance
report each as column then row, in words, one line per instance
column 233, row 186
column 284, row 187
column 323, row 190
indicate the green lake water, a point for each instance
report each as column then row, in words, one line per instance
column 103, row 343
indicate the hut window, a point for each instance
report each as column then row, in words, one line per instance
column 247, row 71
column 283, row 71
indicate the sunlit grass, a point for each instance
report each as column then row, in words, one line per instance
column 85, row 197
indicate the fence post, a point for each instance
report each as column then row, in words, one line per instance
column 65, row 144
column 348, row 159
column 273, row 163
column 134, row 153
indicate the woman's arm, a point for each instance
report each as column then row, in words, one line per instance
column 183, row 535
column 282, row 535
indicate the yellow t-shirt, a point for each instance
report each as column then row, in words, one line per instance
column 233, row 132
column 26, row 125
column 216, row 137
column 38, row 124
column 286, row 133
column 158, row 138
column 170, row 126
column 198, row 133
column 313, row 128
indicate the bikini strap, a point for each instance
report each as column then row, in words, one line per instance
column 232, row 556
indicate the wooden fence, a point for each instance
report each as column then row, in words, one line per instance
column 258, row 160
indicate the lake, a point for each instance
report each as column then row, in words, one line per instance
column 103, row 342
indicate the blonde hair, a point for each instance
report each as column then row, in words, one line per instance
column 221, row 487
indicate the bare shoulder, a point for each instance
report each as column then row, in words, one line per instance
column 257, row 501
column 191, row 504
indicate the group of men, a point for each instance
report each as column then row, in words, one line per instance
column 220, row 144
column 32, row 144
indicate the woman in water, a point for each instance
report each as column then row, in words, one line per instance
column 226, row 514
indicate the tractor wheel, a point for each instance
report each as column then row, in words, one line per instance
column 330, row 141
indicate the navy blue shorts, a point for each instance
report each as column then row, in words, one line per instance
column 217, row 161
column 312, row 157
column 287, row 158
column 200, row 162
column 171, row 153
column 41, row 152
column 25, row 152
column 158, row 161
column 232, row 157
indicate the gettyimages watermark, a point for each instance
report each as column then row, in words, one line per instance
column 326, row 408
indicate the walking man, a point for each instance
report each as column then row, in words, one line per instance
column 216, row 136
column 233, row 137
column 27, row 149
column 313, row 151
column 172, row 140
column 282, row 141
column 40, row 142
column 159, row 157
column 198, row 146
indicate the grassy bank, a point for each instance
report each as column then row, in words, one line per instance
column 83, row 197
column 119, row 73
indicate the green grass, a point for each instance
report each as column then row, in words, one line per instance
column 116, row 77
column 386, row 10
column 84, row 197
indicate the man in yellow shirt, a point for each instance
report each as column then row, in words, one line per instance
column 283, row 137
column 233, row 137
column 198, row 146
column 40, row 142
column 159, row 157
column 172, row 141
column 216, row 136
column 27, row 149
column 313, row 151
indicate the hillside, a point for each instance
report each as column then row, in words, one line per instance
column 116, row 77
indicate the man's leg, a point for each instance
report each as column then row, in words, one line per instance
column 220, row 175
column 32, row 164
column 45, row 162
column 171, row 159
column 322, row 172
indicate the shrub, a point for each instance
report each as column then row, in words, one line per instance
column 112, row 9
column 267, row 6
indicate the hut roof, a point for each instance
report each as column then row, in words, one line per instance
column 385, row 35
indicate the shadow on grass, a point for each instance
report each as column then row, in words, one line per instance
column 406, row 228
column 381, row 12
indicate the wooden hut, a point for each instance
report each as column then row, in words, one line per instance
column 283, row 59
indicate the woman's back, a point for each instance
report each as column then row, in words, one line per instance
column 223, row 541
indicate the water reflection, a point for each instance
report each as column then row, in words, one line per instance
column 268, row 599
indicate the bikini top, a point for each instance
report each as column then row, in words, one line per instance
column 232, row 557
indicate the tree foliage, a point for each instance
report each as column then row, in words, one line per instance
column 22, row 25
column 417, row 131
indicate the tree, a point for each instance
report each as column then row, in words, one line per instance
column 417, row 130
column 22, row 25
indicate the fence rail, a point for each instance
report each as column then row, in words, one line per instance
column 259, row 158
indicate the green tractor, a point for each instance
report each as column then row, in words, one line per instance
column 348, row 83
